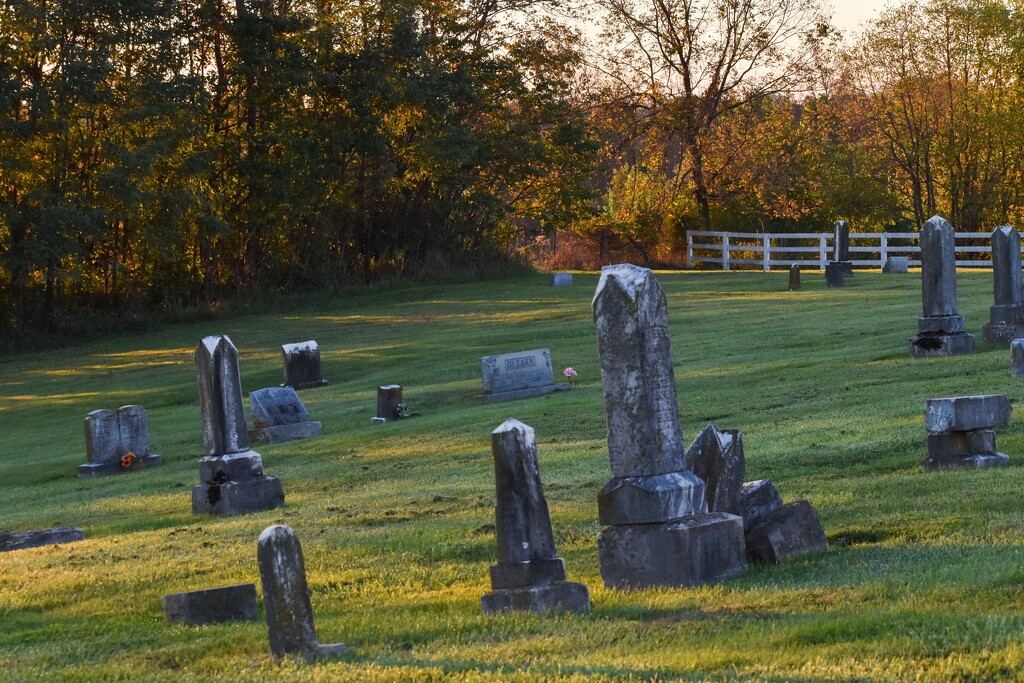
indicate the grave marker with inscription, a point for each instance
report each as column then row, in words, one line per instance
column 278, row 415
column 510, row 376
column 116, row 441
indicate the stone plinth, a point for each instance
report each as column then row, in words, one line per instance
column 789, row 531
column 960, row 431
column 940, row 328
column 213, row 605
column 302, row 365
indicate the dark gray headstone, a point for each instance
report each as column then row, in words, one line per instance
column 116, row 441
column 966, row 413
column 790, row 531
column 286, row 596
column 1006, row 316
column 833, row 274
column 1017, row 357
column 389, row 403
column 940, row 328
column 279, row 415
column 841, row 244
column 528, row 565
column 896, row 265
column 794, row 277
column 213, row 605
column 716, row 456
column 19, row 540
column 302, row 365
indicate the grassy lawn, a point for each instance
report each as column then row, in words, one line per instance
column 925, row 579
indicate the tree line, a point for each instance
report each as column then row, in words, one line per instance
column 170, row 153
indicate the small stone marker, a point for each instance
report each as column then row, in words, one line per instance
column 896, row 264
column 941, row 328
column 529, row 575
column 286, row 596
column 302, row 365
column 231, row 476
column 794, row 277
column 1017, row 357
column 1006, row 316
column 788, row 531
column 116, row 441
column 716, row 456
column 510, row 376
column 833, row 275
column 660, row 532
column 960, row 431
column 561, row 280
column 757, row 499
column 213, row 605
column 389, row 404
column 278, row 415
column 20, row 540
column 841, row 251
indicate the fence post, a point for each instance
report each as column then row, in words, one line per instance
column 822, row 250
column 689, row 249
column 766, row 248
column 725, row 251
column 884, row 250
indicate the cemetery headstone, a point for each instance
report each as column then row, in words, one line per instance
column 19, row 540
column 789, row 531
column 1017, row 357
column 1006, row 316
column 213, row 605
column 289, row 612
column 302, row 365
column 833, row 275
column 960, row 431
column 116, row 441
column 511, row 376
column 896, row 264
column 841, row 250
column 941, row 330
column 561, row 280
column 660, row 532
column 716, row 456
column 279, row 415
column 231, row 475
column 389, row 404
column 794, row 277
column 757, row 499
column 529, row 575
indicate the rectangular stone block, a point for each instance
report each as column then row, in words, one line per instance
column 528, row 573
column 896, row 264
column 966, row 413
column 213, row 605
column 937, row 345
column 649, row 500
column 281, row 433
column 979, row 461
column 276, row 406
column 302, row 365
column 757, row 500
column 105, row 469
column 833, row 274
column 243, row 466
column 948, row 444
column 516, row 371
column 237, row 498
column 562, row 596
column 525, row 393
column 787, row 532
column 688, row 552
column 945, row 324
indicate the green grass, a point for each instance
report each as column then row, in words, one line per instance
column 925, row 579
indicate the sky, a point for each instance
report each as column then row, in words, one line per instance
column 848, row 15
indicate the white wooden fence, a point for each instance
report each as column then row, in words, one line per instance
column 867, row 249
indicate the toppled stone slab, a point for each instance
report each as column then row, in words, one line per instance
column 213, row 605
column 20, row 540
column 967, row 413
column 896, row 265
column 757, row 499
column 789, row 531
column 716, row 456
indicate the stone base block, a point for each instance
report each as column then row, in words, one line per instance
column 523, row 393
column 941, row 324
column 241, row 466
column 526, row 574
column 105, row 469
column 288, row 432
column 651, row 500
column 896, row 264
column 561, row 596
column 966, row 413
column 998, row 332
column 790, row 531
column 213, row 605
column 237, row 497
column 959, row 444
column 833, row 275
column 688, row 552
column 19, row 540
column 977, row 461
column 938, row 345
column 757, row 500
column 845, row 267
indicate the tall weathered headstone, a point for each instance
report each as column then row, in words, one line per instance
column 529, row 575
column 302, row 365
column 841, row 250
column 231, row 476
column 286, row 596
column 1006, row 316
column 116, row 441
column 660, row 532
column 941, row 330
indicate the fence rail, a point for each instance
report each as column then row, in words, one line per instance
column 783, row 249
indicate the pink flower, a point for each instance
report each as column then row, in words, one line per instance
column 569, row 372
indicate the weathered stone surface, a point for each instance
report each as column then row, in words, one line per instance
column 389, row 400
column 841, row 242
column 966, row 413
column 302, row 365
column 833, row 274
column 790, row 531
column 896, row 265
column 631, row 315
column 687, row 552
column 948, row 444
column 110, row 435
column 979, row 461
column 937, row 345
column 716, row 456
column 1005, row 324
column 213, row 605
column 286, row 596
column 525, row 393
column 945, row 324
column 938, row 268
column 646, row 500
column 794, row 277
column 19, row 540
column 561, row 280
column 1017, row 357
column 563, row 596
column 1007, row 286
column 509, row 372
column 279, row 415
column 757, row 499
column 281, row 433
column 220, row 396
column 237, row 497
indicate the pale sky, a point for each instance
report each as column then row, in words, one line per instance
column 848, row 15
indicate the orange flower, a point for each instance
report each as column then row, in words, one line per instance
column 127, row 459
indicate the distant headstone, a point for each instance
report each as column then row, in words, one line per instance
column 286, row 596
column 561, row 280
column 302, row 365
column 941, row 328
column 231, row 476
column 510, row 376
column 1006, row 316
column 1017, row 357
column 213, row 605
column 833, row 275
column 716, row 456
column 960, row 431
column 896, row 264
column 19, row 540
column 529, row 575
column 794, row 277
column 660, row 532
column 389, row 404
column 278, row 415
column 116, row 441
column 841, row 252
column 786, row 532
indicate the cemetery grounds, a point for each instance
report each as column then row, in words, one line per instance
column 924, row 579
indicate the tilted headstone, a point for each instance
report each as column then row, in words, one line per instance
column 896, row 265
column 786, row 532
column 116, row 441
column 19, row 540
column 941, row 328
column 757, row 499
column 561, row 280
column 231, row 476
column 833, row 275
column 960, row 431
column 1006, row 316
column 794, row 277
column 279, row 415
column 660, row 532
column 510, row 376
column 716, row 456
column 1017, row 357
column 529, row 575
column 302, row 365
column 841, row 252
column 286, row 596
column 213, row 605
column 389, row 404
